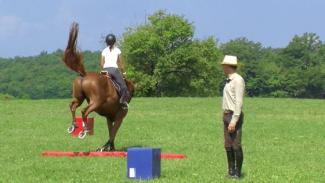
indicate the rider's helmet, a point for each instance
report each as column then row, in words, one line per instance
column 110, row 39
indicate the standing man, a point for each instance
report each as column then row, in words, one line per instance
column 233, row 117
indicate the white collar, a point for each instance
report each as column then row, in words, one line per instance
column 232, row 76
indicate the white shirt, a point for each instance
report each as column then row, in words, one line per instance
column 111, row 56
column 233, row 95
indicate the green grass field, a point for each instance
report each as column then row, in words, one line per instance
column 283, row 140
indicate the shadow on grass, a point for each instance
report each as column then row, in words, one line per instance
column 126, row 148
column 236, row 178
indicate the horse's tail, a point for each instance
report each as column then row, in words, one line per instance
column 72, row 57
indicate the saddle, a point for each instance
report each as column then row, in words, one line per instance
column 116, row 86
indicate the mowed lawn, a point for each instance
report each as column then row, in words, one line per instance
column 283, row 140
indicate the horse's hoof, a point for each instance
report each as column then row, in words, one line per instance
column 110, row 148
column 105, row 149
column 102, row 149
column 82, row 134
column 99, row 150
column 71, row 129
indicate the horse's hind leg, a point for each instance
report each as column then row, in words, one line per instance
column 73, row 106
column 77, row 100
column 85, row 112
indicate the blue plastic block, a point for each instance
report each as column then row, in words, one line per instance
column 143, row 163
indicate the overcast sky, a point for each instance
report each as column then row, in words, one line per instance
column 29, row 27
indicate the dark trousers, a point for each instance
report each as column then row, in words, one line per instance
column 233, row 144
column 233, row 140
column 118, row 78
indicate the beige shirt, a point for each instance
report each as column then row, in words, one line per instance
column 233, row 95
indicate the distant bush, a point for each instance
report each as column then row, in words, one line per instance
column 6, row 96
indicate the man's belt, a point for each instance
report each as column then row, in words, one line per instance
column 228, row 111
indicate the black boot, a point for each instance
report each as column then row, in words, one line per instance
column 231, row 162
column 239, row 156
column 124, row 100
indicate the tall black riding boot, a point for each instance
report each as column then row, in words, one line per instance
column 231, row 162
column 239, row 156
column 124, row 99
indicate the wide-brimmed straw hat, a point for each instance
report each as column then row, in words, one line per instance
column 229, row 60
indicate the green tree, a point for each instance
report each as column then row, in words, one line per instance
column 165, row 60
column 42, row 76
column 303, row 59
column 302, row 50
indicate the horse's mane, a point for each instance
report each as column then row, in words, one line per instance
column 72, row 57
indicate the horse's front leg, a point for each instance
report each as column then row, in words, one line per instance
column 115, row 127
column 108, row 146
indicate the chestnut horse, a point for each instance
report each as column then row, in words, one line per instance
column 99, row 91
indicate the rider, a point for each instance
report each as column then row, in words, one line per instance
column 111, row 62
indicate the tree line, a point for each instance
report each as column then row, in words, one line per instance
column 164, row 59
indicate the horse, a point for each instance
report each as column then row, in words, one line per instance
column 98, row 90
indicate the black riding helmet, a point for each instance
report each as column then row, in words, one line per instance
column 110, row 39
